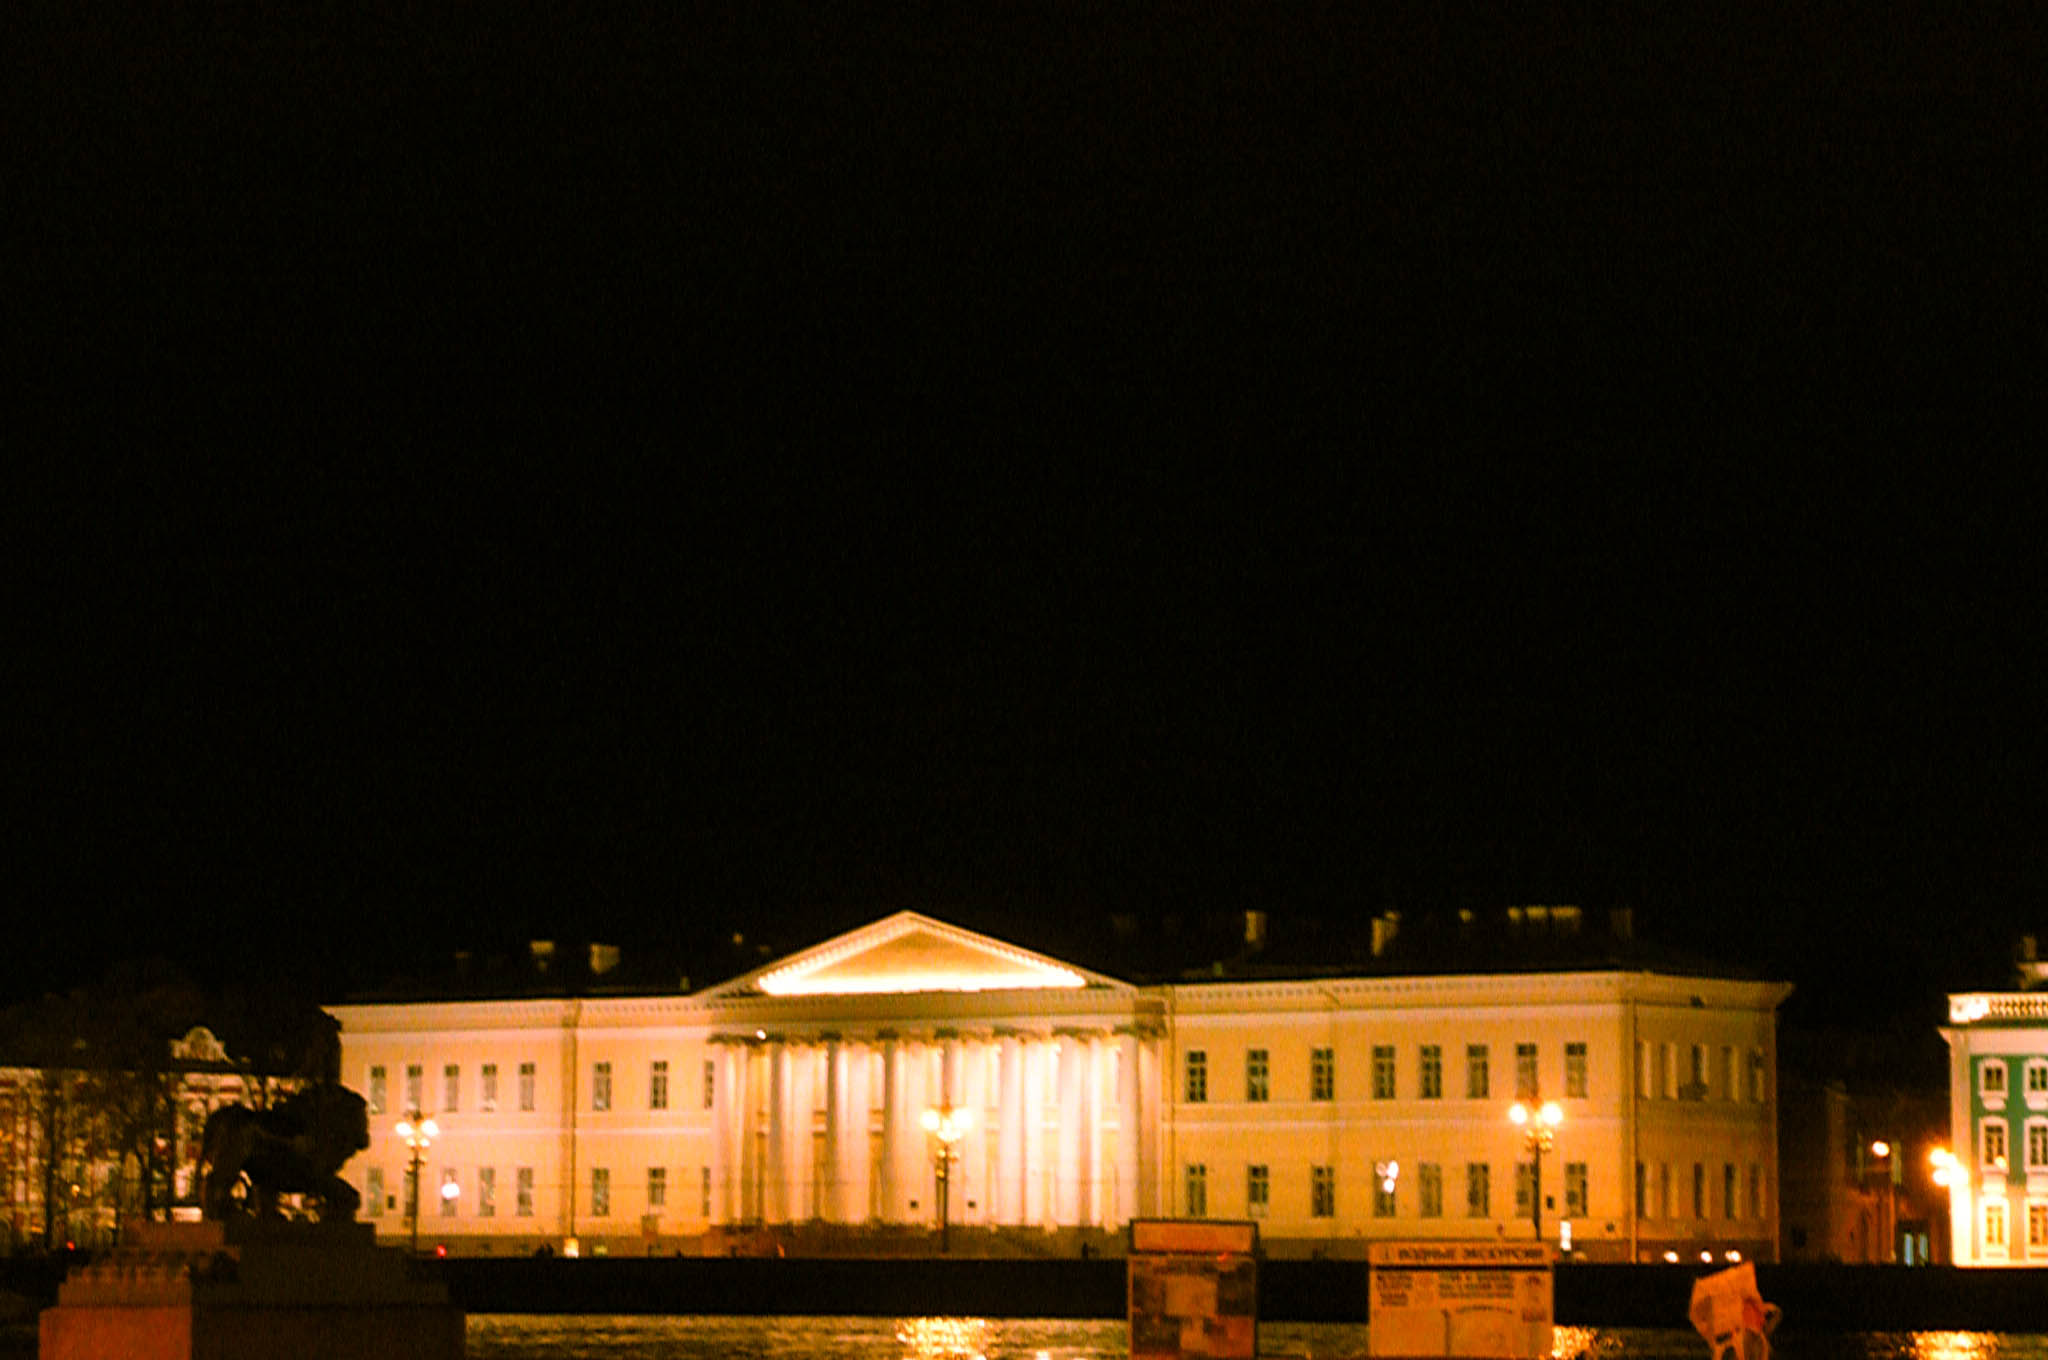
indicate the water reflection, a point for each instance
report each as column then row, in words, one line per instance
column 507, row 1337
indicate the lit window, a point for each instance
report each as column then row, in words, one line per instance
column 487, row 1192
column 1197, row 1076
column 1995, row 1155
column 487, row 1097
column 522, row 1202
column 601, row 1086
column 1382, row 1071
column 2037, row 1228
column 1432, row 1084
column 1255, row 1085
column 1384, row 1190
column 1258, row 1191
column 2037, row 1145
column 377, row 1091
column 1994, row 1224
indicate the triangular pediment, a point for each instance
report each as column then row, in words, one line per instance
column 906, row 953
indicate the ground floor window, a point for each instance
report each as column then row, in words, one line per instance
column 1198, row 1190
column 1258, row 1191
column 1322, row 1199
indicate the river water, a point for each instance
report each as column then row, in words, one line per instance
column 507, row 1337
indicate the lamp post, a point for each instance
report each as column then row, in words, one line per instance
column 419, row 1135
column 947, row 1126
column 1539, row 1130
column 1881, row 1150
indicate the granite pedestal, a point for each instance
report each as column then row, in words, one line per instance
column 249, row 1288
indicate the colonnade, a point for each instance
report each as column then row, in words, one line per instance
column 830, row 1127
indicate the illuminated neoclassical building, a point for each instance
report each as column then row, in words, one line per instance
column 1996, row 1167
column 793, row 1106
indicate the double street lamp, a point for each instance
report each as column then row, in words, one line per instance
column 1539, row 1124
column 419, row 1135
column 947, row 1126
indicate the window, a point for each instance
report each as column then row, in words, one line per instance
column 1994, row 1145
column 1525, row 1187
column 1197, row 1076
column 451, row 1192
column 704, row 1191
column 1322, row 1074
column 1384, row 1189
column 1575, row 1070
column 522, row 1194
column 710, row 1082
column 377, row 1091
column 1728, row 1195
column 1322, row 1192
column 1258, row 1191
column 415, row 1082
column 1197, row 1181
column 1477, row 1085
column 487, row 1192
column 1667, row 1071
column 1758, row 1076
column 1575, row 1189
column 1991, row 1077
column 1642, row 1070
column 600, row 1192
column 1699, row 1189
column 657, row 1189
column 487, row 1095
column 526, row 1086
column 1382, row 1071
column 1642, row 1191
column 1429, row 1190
column 601, row 1086
column 2037, row 1145
column 1728, row 1087
column 1255, row 1088
column 657, row 1086
column 1525, row 1072
column 2037, row 1228
column 1432, row 1072
column 1478, row 1190
column 2037, row 1078
column 1994, row 1224
column 373, row 1191
column 1696, row 1074
column 1663, row 1209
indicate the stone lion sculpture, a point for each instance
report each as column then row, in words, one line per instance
column 295, row 1147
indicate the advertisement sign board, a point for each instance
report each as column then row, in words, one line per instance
column 1476, row 1300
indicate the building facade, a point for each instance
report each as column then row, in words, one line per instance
column 1998, row 1128
column 795, row 1105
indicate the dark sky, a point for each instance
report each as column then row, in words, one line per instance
column 783, row 464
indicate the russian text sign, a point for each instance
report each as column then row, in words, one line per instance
column 1473, row 1300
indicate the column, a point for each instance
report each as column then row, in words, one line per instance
column 1127, row 1132
column 1037, row 1067
column 1095, row 1187
column 1009, row 1192
column 972, row 1198
column 800, row 1153
column 893, row 1194
column 850, row 1078
column 724, row 1141
column 1067, row 1205
column 777, row 1172
column 829, row 1204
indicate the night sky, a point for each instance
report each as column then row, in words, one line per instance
column 684, row 470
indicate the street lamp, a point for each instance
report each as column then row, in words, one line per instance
column 419, row 1135
column 1539, row 1130
column 1881, row 1150
column 947, row 1126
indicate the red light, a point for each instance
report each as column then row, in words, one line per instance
column 440, row 1249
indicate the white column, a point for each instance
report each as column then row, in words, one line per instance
column 1009, row 1191
column 1067, row 1205
column 850, row 1079
column 1037, row 1065
column 801, row 1153
column 1127, row 1133
column 1094, row 1189
column 972, row 1196
column 718, row 1155
column 777, row 1172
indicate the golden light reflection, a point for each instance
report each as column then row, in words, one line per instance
column 1951, row 1345
column 1570, row 1343
column 943, row 1338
